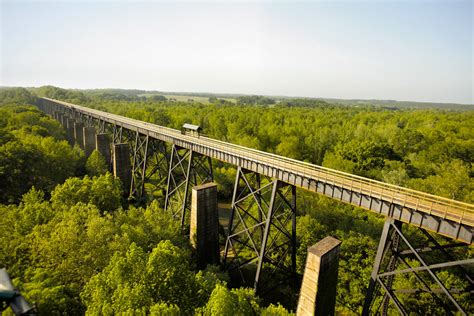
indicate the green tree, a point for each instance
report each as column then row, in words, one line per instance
column 138, row 280
column 231, row 302
column 104, row 191
column 96, row 165
column 32, row 152
column 16, row 96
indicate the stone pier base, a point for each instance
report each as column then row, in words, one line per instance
column 89, row 140
column 59, row 117
column 204, row 230
column 79, row 134
column 318, row 289
column 102, row 145
column 64, row 119
column 121, row 165
column 70, row 131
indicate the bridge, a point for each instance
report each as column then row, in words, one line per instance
column 264, row 197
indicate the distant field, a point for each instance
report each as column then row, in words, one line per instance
column 185, row 98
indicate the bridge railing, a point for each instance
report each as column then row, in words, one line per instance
column 428, row 203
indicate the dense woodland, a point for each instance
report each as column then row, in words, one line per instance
column 74, row 245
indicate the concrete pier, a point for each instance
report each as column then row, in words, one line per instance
column 102, row 145
column 121, row 166
column 79, row 134
column 204, row 230
column 318, row 289
column 89, row 140
column 70, row 131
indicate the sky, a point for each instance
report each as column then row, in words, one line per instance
column 400, row 50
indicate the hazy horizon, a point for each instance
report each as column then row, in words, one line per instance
column 419, row 51
column 223, row 94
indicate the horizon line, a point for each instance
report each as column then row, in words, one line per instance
column 245, row 94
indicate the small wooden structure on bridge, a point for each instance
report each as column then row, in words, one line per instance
column 190, row 129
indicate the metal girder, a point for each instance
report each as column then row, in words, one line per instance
column 149, row 166
column 186, row 168
column 262, row 227
column 398, row 261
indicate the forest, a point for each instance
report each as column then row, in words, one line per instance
column 74, row 245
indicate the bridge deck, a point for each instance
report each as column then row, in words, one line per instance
column 448, row 217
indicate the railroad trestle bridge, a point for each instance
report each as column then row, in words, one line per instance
column 262, row 223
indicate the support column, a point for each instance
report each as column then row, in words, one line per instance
column 64, row 119
column 70, row 131
column 78, row 134
column 318, row 289
column 260, row 231
column 204, row 228
column 391, row 266
column 59, row 116
column 102, row 145
column 89, row 140
column 121, row 165
column 186, row 169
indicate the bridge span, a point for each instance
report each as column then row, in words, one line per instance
column 444, row 216
column 262, row 224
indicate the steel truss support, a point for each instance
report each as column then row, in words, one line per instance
column 262, row 228
column 421, row 266
column 149, row 166
column 101, row 126
column 119, row 135
column 186, row 168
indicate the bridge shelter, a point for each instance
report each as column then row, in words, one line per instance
column 190, row 129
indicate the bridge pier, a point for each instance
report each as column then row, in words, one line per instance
column 102, row 145
column 253, row 231
column 64, row 119
column 419, row 263
column 121, row 165
column 89, row 140
column 79, row 134
column 70, row 131
column 59, row 116
column 318, row 289
column 204, row 228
